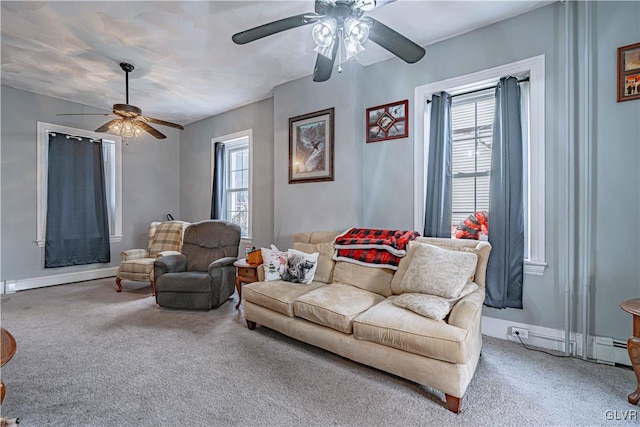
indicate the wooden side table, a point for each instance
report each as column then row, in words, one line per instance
column 245, row 273
column 7, row 350
column 632, row 306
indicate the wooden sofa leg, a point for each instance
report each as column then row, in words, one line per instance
column 118, row 285
column 153, row 288
column 251, row 325
column 453, row 403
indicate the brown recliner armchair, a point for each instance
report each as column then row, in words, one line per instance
column 202, row 277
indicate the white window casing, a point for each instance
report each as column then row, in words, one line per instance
column 534, row 68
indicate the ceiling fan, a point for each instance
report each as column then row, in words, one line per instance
column 129, row 122
column 340, row 21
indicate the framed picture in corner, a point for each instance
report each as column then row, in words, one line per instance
column 629, row 72
column 311, row 147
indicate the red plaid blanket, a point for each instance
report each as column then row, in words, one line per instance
column 373, row 247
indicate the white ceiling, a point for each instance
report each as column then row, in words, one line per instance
column 187, row 67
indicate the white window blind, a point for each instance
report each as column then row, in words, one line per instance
column 472, row 137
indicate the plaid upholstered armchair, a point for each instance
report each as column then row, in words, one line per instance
column 165, row 238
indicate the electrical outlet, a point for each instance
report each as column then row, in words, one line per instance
column 521, row 332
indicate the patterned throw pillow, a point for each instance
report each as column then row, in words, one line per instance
column 301, row 267
column 431, row 306
column 275, row 265
column 437, row 271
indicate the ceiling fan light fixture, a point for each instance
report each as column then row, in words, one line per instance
column 326, row 51
column 127, row 128
column 366, row 5
column 356, row 30
column 351, row 47
column 324, row 32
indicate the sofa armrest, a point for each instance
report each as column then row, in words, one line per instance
column 260, row 270
column 467, row 312
column 167, row 253
column 130, row 254
column 222, row 262
column 169, row 264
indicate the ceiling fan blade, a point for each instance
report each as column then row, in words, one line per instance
column 324, row 65
column 85, row 114
column 274, row 27
column 162, row 122
column 105, row 127
column 151, row 131
column 393, row 41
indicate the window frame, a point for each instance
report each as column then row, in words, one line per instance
column 231, row 142
column 534, row 67
column 114, row 182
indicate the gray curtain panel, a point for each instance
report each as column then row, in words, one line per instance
column 505, row 269
column 217, row 195
column 77, row 219
column 437, row 214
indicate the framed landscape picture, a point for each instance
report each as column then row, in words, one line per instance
column 629, row 72
column 389, row 121
column 311, row 147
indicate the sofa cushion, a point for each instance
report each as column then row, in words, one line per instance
column 393, row 326
column 432, row 306
column 277, row 295
column 140, row 269
column 437, row 271
column 372, row 279
column 335, row 306
column 326, row 264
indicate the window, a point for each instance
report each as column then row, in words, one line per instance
column 237, row 185
column 472, row 124
column 472, row 132
column 113, row 177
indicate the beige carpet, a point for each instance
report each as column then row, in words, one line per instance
column 88, row 356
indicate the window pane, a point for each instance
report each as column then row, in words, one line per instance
column 237, row 209
column 472, row 127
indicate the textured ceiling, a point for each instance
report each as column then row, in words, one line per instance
column 187, row 67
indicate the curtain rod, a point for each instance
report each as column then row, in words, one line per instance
column 525, row 79
column 79, row 138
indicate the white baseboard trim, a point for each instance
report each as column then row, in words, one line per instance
column 604, row 349
column 11, row 286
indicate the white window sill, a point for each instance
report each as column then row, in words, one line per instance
column 535, row 268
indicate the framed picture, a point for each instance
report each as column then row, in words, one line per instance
column 629, row 72
column 311, row 147
column 389, row 121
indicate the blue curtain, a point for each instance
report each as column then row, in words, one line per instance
column 437, row 213
column 77, row 220
column 505, row 270
column 217, row 195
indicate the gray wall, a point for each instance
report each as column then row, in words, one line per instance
column 150, row 181
column 196, row 163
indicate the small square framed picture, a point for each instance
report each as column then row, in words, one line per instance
column 389, row 121
column 629, row 72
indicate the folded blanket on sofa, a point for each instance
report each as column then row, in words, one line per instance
column 373, row 247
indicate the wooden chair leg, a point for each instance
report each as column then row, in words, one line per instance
column 118, row 285
column 453, row 403
column 153, row 288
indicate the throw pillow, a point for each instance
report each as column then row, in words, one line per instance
column 437, row 271
column 274, row 265
column 432, row 306
column 326, row 264
column 301, row 267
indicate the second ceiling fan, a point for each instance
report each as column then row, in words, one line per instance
column 340, row 22
column 129, row 122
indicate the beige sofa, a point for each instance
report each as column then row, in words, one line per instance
column 348, row 309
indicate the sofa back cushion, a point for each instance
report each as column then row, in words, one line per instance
column 315, row 237
column 370, row 279
column 325, row 265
